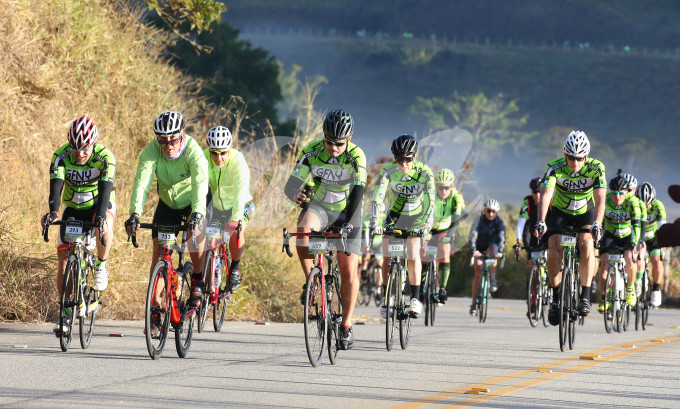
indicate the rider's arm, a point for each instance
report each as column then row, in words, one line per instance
column 379, row 197
column 473, row 237
column 544, row 202
column 146, row 167
column 427, row 218
column 56, row 187
column 105, row 184
column 200, row 185
column 298, row 177
column 501, row 235
column 599, row 195
column 356, row 194
column 662, row 213
column 241, row 180
column 522, row 220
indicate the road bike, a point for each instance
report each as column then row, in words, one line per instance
column 78, row 299
column 168, row 293
column 397, row 298
column 216, row 258
column 482, row 302
column 430, row 287
column 644, row 301
column 323, row 300
column 539, row 295
column 617, row 310
column 369, row 288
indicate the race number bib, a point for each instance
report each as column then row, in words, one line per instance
column 395, row 247
column 568, row 240
column 317, row 245
column 213, row 231
column 166, row 235
column 74, row 230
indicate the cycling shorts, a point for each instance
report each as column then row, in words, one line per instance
column 86, row 215
column 166, row 215
column 328, row 217
column 483, row 247
column 556, row 220
column 223, row 216
column 401, row 222
column 609, row 241
column 652, row 245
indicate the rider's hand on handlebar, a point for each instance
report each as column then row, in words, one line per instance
column 596, row 231
column 231, row 226
column 539, row 229
column 101, row 222
column 476, row 254
column 194, row 222
column 49, row 218
column 132, row 223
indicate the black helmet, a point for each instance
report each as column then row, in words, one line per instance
column 646, row 193
column 535, row 183
column 619, row 183
column 338, row 125
column 404, row 145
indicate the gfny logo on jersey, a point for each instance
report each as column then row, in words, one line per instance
column 331, row 176
column 617, row 217
column 407, row 191
column 578, row 185
column 82, row 177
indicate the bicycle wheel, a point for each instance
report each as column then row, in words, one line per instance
column 619, row 302
column 483, row 297
column 533, row 296
column 403, row 315
column 546, row 299
column 565, row 308
column 207, row 279
column 157, row 310
column 432, row 292
column 626, row 316
column 646, row 300
column 377, row 290
column 219, row 311
column 574, row 316
column 91, row 305
column 68, row 301
column 334, row 300
column 391, row 301
column 608, row 300
column 185, row 329
column 425, row 290
column 316, row 322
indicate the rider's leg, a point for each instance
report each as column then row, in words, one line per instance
column 415, row 267
column 307, row 222
column 349, row 285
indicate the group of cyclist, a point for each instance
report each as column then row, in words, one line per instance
column 330, row 178
column 191, row 184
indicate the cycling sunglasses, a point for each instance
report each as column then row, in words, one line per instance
column 218, row 153
column 576, row 158
column 618, row 192
column 404, row 159
column 172, row 142
column 444, row 187
column 334, row 143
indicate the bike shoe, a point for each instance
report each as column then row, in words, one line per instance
column 554, row 314
column 383, row 312
column 631, row 298
column 155, row 324
column 63, row 329
column 442, row 296
column 416, row 307
column 197, row 290
column 346, row 338
column 600, row 308
column 494, row 283
column 234, row 279
column 101, row 278
column 473, row 306
column 583, row 307
column 656, row 298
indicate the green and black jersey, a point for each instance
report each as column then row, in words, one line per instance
column 81, row 183
column 574, row 190
column 409, row 194
column 656, row 217
column 624, row 219
column 334, row 178
column 446, row 209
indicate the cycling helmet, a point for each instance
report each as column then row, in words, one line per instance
column 619, row 183
column 535, row 183
column 168, row 123
column 219, row 138
column 632, row 181
column 404, row 145
column 338, row 125
column 577, row 144
column 492, row 204
column 646, row 193
column 444, row 177
column 82, row 133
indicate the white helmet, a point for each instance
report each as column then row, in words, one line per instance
column 168, row 123
column 632, row 181
column 220, row 138
column 492, row 204
column 577, row 144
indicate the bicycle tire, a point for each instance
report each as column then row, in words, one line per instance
column 335, row 308
column 483, row 297
column 68, row 301
column 646, row 290
column 364, row 297
column 315, row 321
column 564, row 308
column 185, row 329
column 207, row 279
column 403, row 314
column 546, row 299
column 533, row 279
column 158, row 282
column 377, row 289
column 608, row 300
column 432, row 293
column 620, row 299
column 574, row 296
column 425, row 293
column 391, row 300
column 219, row 311
column 91, row 305
column 626, row 316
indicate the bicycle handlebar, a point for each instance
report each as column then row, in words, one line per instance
column 177, row 227
column 87, row 225
column 343, row 236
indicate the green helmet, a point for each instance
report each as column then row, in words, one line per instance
column 444, row 177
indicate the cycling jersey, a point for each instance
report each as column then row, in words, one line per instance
column 334, row 178
column 528, row 216
column 574, row 191
column 409, row 194
column 229, row 183
column 656, row 217
column 446, row 210
column 182, row 182
column 622, row 220
column 486, row 233
column 82, row 184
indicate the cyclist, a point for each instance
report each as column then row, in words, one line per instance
column 656, row 217
column 487, row 237
column 408, row 185
column 579, row 186
column 528, row 214
column 82, row 174
column 448, row 206
column 181, row 171
column 622, row 229
column 640, row 250
column 229, row 178
column 337, row 169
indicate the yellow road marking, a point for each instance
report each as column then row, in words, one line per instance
column 546, row 371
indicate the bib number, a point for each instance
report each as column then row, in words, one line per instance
column 535, row 255
column 166, row 236
column 489, row 261
column 614, row 257
column 395, row 248
column 317, row 246
column 213, row 231
column 568, row 240
column 431, row 250
column 74, row 231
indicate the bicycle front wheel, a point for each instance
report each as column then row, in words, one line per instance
column 533, row 296
column 185, row 329
column 334, row 300
column 207, row 279
column 377, row 290
column 565, row 308
column 219, row 311
column 432, row 292
column 157, row 313
column 546, row 299
column 90, row 306
column 404, row 315
column 316, row 322
column 68, row 302
column 391, row 300
column 646, row 299
column 483, row 297
column 425, row 291
column 608, row 300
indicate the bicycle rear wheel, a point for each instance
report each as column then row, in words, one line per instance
column 646, row 299
column 316, row 322
column 432, row 293
column 207, row 279
column 68, row 301
column 334, row 299
column 185, row 329
column 91, row 306
column 565, row 308
column 608, row 300
column 533, row 296
column 483, row 297
column 377, row 289
column 404, row 315
column 157, row 313
column 392, row 299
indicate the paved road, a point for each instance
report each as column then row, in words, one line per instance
column 251, row 365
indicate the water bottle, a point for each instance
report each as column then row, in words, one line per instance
column 175, row 285
column 218, row 269
column 619, row 281
column 90, row 243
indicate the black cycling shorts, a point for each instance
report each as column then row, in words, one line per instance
column 556, row 220
column 401, row 222
column 328, row 218
column 609, row 241
column 86, row 215
column 166, row 215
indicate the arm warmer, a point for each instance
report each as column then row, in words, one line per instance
column 56, row 186
column 105, row 189
column 292, row 189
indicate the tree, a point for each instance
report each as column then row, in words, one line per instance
column 199, row 15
